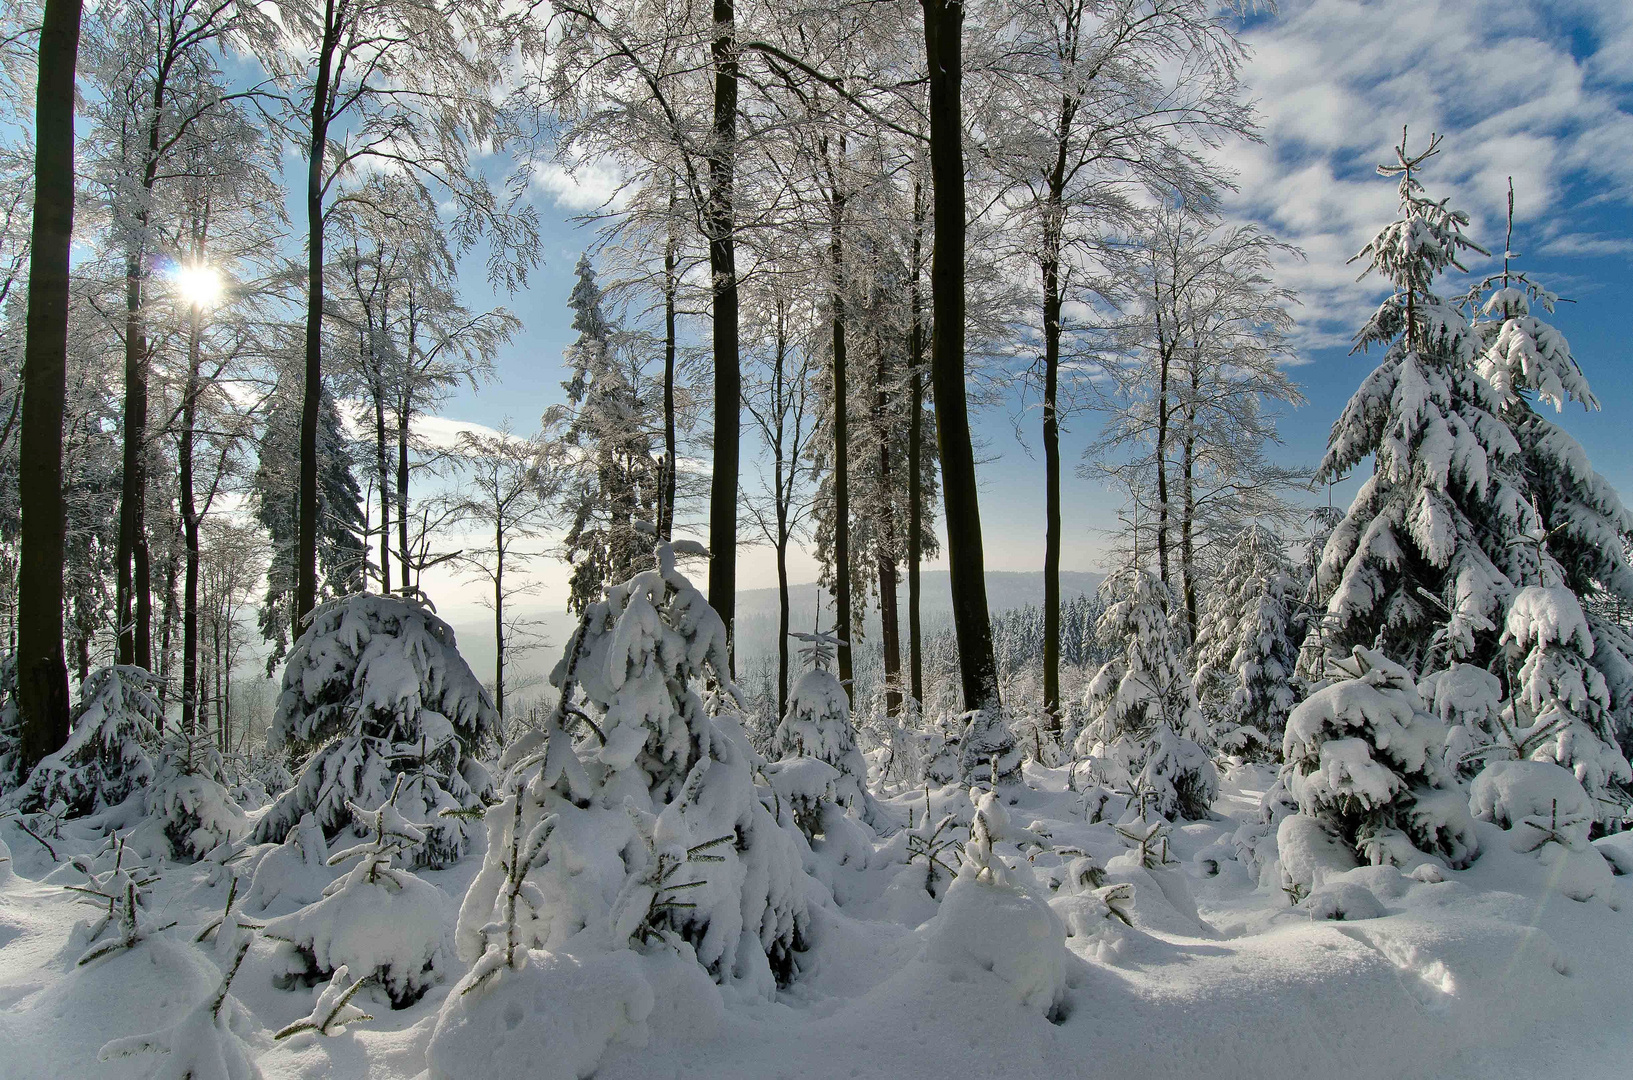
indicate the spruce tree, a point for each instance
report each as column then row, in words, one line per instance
column 1415, row 568
column 616, row 480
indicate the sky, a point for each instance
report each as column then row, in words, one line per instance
column 1541, row 92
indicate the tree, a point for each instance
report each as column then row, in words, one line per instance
column 274, row 489
column 614, row 486
column 409, row 85
column 1246, row 648
column 1417, row 565
column 42, row 671
column 1100, row 107
column 508, row 486
column 978, row 669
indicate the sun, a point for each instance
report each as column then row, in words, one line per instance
column 198, row 285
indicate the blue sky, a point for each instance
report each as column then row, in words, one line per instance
column 1542, row 92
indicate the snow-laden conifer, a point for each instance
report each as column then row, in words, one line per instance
column 11, row 727
column 818, row 726
column 1144, row 722
column 188, row 802
column 633, row 818
column 1415, row 566
column 1246, row 651
column 1560, row 706
column 1363, row 757
column 113, row 733
column 376, row 689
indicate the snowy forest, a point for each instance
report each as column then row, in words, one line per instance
column 1310, row 767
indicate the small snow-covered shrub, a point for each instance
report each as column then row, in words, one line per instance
column 375, row 689
column 188, row 801
column 1145, row 726
column 378, row 920
column 113, row 731
column 1546, row 813
column 648, row 828
column 817, row 727
column 1310, row 853
column 1469, row 701
column 1562, row 709
column 1364, row 758
column 296, row 871
column 995, row 919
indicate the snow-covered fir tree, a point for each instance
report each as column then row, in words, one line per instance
column 275, row 491
column 818, row 725
column 614, row 486
column 374, row 690
column 1144, row 723
column 113, row 735
column 1560, row 705
column 188, row 801
column 1443, row 502
column 11, row 726
column 1582, row 523
column 1246, row 645
column 647, row 826
column 1363, row 759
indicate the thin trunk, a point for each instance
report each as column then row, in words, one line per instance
column 728, row 378
column 841, row 465
column 190, row 533
column 383, row 471
column 783, row 479
column 167, row 631
column 1164, row 357
column 42, row 670
column 402, row 496
column 671, row 285
column 1053, row 237
column 1187, row 525
column 499, row 616
column 306, row 583
column 133, row 473
column 890, row 638
column 943, row 27
column 915, row 442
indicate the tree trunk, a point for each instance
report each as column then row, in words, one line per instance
column 978, row 669
column 385, row 483
column 134, row 645
column 671, row 285
column 190, row 534
column 306, row 579
column 783, row 478
column 42, row 670
column 841, row 465
column 728, row 377
column 890, row 638
column 1051, row 488
column 1187, row 525
column 915, row 466
column 499, row 615
column 402, row 496
column 1164, row 357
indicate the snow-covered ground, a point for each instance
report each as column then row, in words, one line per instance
column 1491, row 972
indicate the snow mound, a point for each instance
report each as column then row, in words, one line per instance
column 1005, row 929
column 1344, row 901
column 1310, row 853
column 1538, row 802
column 555, row 1017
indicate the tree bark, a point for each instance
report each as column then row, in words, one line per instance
column 1054, row 224
column 499, row 614
column 190, row 534
column 783, row 478
column 978, row 669
column 671, row 285
column 728, row 376
column 134, row 641
column 306, row 542
column 915, row 442
column 1187, row 525
column 1164, row 358
column 42, row 670
column 383, row 470
column 841, row 465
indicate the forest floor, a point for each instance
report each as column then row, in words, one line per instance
column 1490, row 973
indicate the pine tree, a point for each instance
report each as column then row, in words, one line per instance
column 1246, row 650
column 377, row 703
column 1144, row 720
column 647, row 826
column 341, row 552
column 113, row 733
column 1582, row 524
column 616, row 483
column 1363, row 758
column 1415, row 569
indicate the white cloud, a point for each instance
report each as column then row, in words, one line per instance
column 1508, row 84
column 586, row 186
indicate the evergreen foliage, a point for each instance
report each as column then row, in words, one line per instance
column 376, row 690
column 113, row 733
